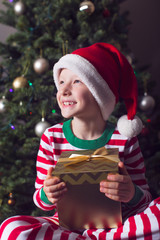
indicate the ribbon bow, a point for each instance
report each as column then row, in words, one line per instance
column 101, row 154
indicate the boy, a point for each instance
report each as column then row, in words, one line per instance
column 90, row 82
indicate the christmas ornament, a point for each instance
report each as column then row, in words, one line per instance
column 19, row 8
column 106, row 13
column 11, row 200
column 20, row 82
column 3, row 102
column 87, row 6
column 41, row 127
column 41, row 65
column 147, row 103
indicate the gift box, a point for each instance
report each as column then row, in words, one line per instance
column 83, row 206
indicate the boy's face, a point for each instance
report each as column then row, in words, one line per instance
column 74, row 98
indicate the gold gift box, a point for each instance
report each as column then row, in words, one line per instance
column 83, row 206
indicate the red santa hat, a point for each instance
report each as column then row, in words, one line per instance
column 109, row 77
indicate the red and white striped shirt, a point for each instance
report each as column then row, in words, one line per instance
column 55, row 140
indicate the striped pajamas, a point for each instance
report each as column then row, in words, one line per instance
column 141, row 221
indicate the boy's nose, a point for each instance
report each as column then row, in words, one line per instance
column 66, row 90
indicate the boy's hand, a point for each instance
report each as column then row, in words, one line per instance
column 118, row 187
column 53, row 187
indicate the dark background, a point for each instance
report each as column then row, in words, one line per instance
column 144, row 34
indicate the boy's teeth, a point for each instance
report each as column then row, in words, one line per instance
column 68, row 103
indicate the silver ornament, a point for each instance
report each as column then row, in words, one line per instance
column 19, row 8
column 147, row 103
column 3, row 102
column 41, row 127
column 41, row 65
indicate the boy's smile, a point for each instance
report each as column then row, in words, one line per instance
column 74, row 98
column 68, row 103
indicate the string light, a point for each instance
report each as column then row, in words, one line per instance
column 30, row 84
column 13, row 127
column 9, row 125
column 53, row 111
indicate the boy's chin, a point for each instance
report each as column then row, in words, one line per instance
column 67, row 116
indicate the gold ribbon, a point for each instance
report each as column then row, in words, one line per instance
column 100, row 154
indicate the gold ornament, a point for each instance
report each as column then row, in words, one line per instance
column 11, row 200
column 87, row 6
column 41, row 65
column 20, row 82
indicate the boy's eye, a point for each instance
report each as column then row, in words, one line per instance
column 61, row 82
column 77, row 81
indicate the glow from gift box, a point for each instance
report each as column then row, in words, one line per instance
column 89, row 157
column 78, row 158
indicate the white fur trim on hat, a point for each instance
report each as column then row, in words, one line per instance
column 129, row 128
column 91, row 78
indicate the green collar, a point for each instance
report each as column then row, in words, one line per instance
column 87, row 144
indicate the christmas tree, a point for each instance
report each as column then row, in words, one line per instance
column 46, row 30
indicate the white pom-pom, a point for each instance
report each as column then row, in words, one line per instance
column 129, row 128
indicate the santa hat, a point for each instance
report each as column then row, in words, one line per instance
column 109, row 77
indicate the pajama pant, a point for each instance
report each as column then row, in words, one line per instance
column 142, row 226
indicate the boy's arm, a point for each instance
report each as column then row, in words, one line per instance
column 45, row 160
column 134, row 163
